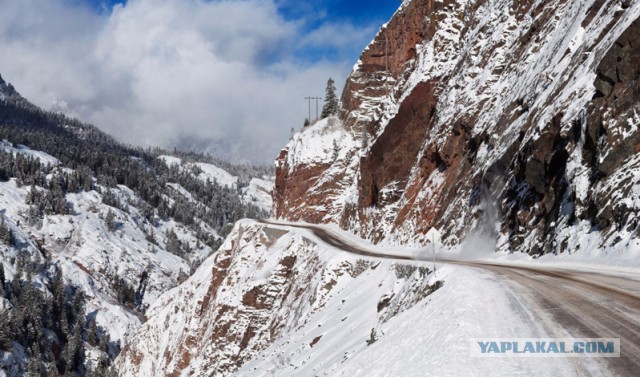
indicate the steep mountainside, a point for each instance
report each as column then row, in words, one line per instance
column 92, row 232
column 516, row 119
column 267, row 284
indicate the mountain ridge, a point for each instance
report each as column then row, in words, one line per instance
column 116, row 226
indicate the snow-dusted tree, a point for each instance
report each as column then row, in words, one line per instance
column 34, row 217
column 5, row 336
column 59, row 304
column 125, row 293
column 330, row 100
column 16, row 282
column 1, row 280
column 92, row 331
column 34, row 368
column 173, row 244
column 6, row 235
column 105, row 339
column 72, row 354
column 110, row 220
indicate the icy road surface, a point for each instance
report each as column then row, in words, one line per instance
column 566, row 302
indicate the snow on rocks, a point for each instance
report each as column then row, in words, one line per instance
column 489, row 91
column 323, row 142
column 266, row 283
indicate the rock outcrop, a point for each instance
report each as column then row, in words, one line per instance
column 262, row 284
column 515, row 119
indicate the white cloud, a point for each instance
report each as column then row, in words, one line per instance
column 338, row 35
column 153, row 72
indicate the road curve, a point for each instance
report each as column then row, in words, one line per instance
column 569, row 303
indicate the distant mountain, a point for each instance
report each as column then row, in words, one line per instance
column 92, row 232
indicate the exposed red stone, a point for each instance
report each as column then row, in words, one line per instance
column 407, row 145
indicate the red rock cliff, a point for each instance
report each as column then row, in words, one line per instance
column 512, row 118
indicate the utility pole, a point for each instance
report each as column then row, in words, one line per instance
column 309, row 100
column 317, row 99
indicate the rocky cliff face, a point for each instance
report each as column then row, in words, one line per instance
column 266, row 284
column 517, row 119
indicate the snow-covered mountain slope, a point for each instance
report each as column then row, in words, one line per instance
column 269, row 284
column 431, row 338
column 93, row 257
column 44, row 158
column 205, row 171
column 117, row 224
column 256, row 192
column 516, row 119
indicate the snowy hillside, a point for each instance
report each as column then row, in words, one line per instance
column 268, row 283
column 205, row 171
column 98, row 259
column 93, row 232
column 256, row 192
column 26, row 151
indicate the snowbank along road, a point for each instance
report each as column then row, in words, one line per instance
column 568, row 302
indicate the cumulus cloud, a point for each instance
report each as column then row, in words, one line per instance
column 160, row 72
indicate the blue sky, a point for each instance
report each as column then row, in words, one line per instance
column 230, row 74
column 360, row 13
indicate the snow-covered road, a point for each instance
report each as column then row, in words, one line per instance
column 552, row 302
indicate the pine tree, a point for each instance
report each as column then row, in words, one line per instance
column 92, row 332
column 173, row 244
column 59, row 304
column 330, row 100
column 72, row 353
column 5, row 336
column 1, row 280
column 110, row 221
column 6, row 236
column 104, row 343
column 34, row 216
column 151, row 236
column 34, row 368
column 16, row 283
